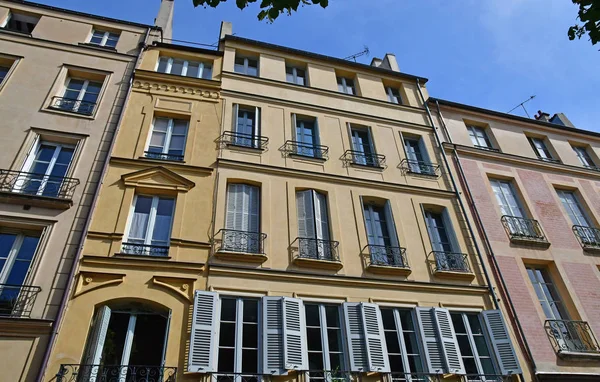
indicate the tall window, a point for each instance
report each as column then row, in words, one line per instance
column 80, row 96
column 547, row 294
column 295, row 75
column 238, row 337
column 363, row 147
column 313, row 225
column 473, row 346
column 584, row 157
column 242, row 220
column 540, row 149
column 346, row 85
column 439, row 230
column 381, row 235
column 393, row 95
column 573, row 208
column 307, row 136
column 167, row 140
column 185, row 68
column 246, row 126
column 416, row 153
column 479, row 138
column 246, row 65
column 103, row 38
column 324, row 340
column 507, row 198
column 150, row 226
column 46, row 165
column 402, row 344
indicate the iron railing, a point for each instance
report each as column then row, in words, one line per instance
column 144, row 250
column 329, row 375
column 115, row 373
column 387, row 256
column 420, row 168
column 239, row 377
column 588, row 237
column 595, row 168
column 415, row 377
column 551, row 160
column 17, row 300
column 364, row 159
column 522, row 229
column 487, row 148
column 242, row 241
column 317, row 249
column 29, row 183
column 571, row 336
column 486, row 378
column 233, row 138
column 306, row 149
column 451, row 262
column 163, row 156
column 73, row 105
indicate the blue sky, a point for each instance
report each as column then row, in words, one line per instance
column 491, row 53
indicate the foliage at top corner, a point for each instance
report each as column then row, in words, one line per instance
column 270, row 9
column 589, row 15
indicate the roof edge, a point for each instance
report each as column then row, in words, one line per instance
column 186, row 48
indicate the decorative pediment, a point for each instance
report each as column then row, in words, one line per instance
column 158, row 178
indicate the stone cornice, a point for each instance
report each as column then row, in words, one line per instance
column 139, row 262
column 24, row 327
column 162, row 83
column 146, row 163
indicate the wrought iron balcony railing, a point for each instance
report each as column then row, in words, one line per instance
column 239, row 377
column 242, row 241
column 415, row 377
column 73, row 106
column 163, row 156
column 522, row 229
column 364, row 159
column 116, row 373
column 144, row 250
column 330, row 375
column 588, row 237
column 487, row 148
column 551, row 160
column 571, row 336
column 451, row 262
column 420, row 167
column 32, row 184
column 17, row 300
column 487, row 378
column 233, row 138
column 306, row 150
column 387, row 256
column 317, row 249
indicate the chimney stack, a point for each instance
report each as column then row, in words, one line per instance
column 541, row 116
column 388, row 62
column 164, row 19
column 226, row 29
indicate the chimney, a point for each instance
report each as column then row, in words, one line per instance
column 226, row 29
column 541, row 116
column 561, row 119
column 376, row 62
column 165, row 18
column 388, row 62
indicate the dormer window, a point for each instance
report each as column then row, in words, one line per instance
column 346, row 85
column 246, row 65
column 185, row 68
column 18, row 22
column 105, row 39
column 393, row 95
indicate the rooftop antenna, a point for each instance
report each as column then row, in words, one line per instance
column 522, row 104
column 364, row 52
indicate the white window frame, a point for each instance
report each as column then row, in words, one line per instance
column 400, row 334
column 574, row 208
column 487, row 143
column 168, row 134
column 151, row 219
column 82, row 92
column 13, row 253
column 549, row 300
column 498, row 183
column 345, row 85
column 30, row 159
column 448, row 228
column 390, row 94
column 246, row 65
column 325, row 339
column 583, row 156
column 186, row 63
column 473, row 345
column 542, row 152
column 104, row 38
column 295, row 75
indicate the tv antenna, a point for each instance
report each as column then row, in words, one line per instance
column 364, row 52
column 522, row 104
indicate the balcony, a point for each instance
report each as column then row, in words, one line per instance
column 37, row 189
column 239, row 377
column 487, row 378
column 17, row 300
column 588, row 237
column 71, row 105
column 415, row 377
column 240, row 245
column 250, row 141
column 451, row 264
column 359, row 158
column 524, row 231
column 330, row 376
column 116, row 373
column 387, row 260
column 316, row 253
column 487, row 148
column 137, row 249
column 163, row 156
column 306, row 150
column 415, row 167
column 572, row 338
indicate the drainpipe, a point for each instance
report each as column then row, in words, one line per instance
column 70, row 279
column 495, row 267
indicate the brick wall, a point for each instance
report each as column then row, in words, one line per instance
column 589, row 191
column 586, row 286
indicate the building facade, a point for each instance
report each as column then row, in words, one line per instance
column 533, row 186
column 64, row 77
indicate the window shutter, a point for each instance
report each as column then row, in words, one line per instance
column 234, row 117
column 204, row 333
column 321, row 216
column 317, row 135
column 306, row 222
column 97, row 337
column 294, row 335
column 391, row 225
column 257, row 127
column 233, row 219
column 454, row 364
column 429, row 336
column 253, row 209
column 355, row 337
column 295, row 128
column 501, row 343
column 377, row 354
column 273, row 335
column 31, row 154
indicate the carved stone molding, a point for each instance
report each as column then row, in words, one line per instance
column 184, row 287
column 88, row 281
column 164, row 88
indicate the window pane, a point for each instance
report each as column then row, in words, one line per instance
column 312, row 315
column 333, row 317
column 465, row 347
column 411, row 344
column 481, row 346
column 474, row 324
column 315, row 361
column 227, row 334
column 391, row 339
column 250, row 336
column 162, row 225
column 192, row 70
column 177, row 67
column 228, row 309
column 179, row 126
column 97, row 38
column 334, row 339
column 396, row 364
column 314, row 339
column 388, row 319
column 207, row 72
column 177, row 143
column 18, row 272
column 249, row 361
column 162, row 64
column 457, row 321
column 6, row 243
column 141, row 215
column 226, row 360
column 250, row 311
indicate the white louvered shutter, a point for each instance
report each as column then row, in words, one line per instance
column 257, row 127
column 321, row 216
column 273, row 335
column 454, row 363
column 305, row 208
column 377, row 354
column 355, row 337
column 434, row 357
column 234, row 117
column 294, row 335
column 97, row 337
column 233, row 219
column 501, row 343
column 204, row 333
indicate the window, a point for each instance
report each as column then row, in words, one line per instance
column 324, row 340
column 295, row 75
column 45, row 166
column 246, row 126
column 479, row 137
column 363, row 147
column 106, row 39
column 3, row 72
column 439, row 230
column 346, row 85
column 242, row 221
column 307, row 136
column 150, row 226
column 393, row 95
column 246, row 65
column 547, row 294
column 402, row 344
column 476, row 355
column 183, row 67
column 381, row 235
column 584, row 157
column 416, row 154
column 80, row 96
column 507, row 198
column 313, row 226
column 573, row 208
column 18, row 22
column 167, row 140
column 541, row 150
column 238, row 336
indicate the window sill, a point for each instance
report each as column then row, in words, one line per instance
column 68, row 113
column 156, row 160
column 35, row 200
column 591, row 248
column 307, row 158
column 148, row 257
column 389, row 270
column 367, row 167
column 96, row 46
column 247, row 257
column 423, row 174
column 455, row 275
column 319, row 264
column 578, row 355
column 530, row 241
column 233, row 146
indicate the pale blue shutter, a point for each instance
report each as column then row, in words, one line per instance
column 295, row 351
column 235, row 199
column 321, row 216
column 434, row 358
column 305, row 209
column 355, row 337
column 391, row 225
column 454, row 363
column 98, row 336
column 273, row 347
column 377, row 355
column 204, row 333
column 501, row 343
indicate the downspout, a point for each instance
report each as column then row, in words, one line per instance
column 496, row 268
column 70, row 279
